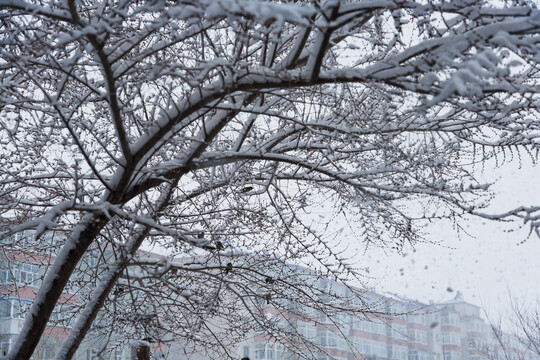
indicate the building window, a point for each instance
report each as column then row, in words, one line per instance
column 92, row 354
column 417, row 318
column 378, row 327
column 399, row 332
column 5, row 308
column 328, row 339
column 450, row 338
column 361, row 323
column 14, row 308
column 417, row 336
column 118, row 354
column 306, row 330
column 370, row 348
column 22, row 273
column 418, row 355
column 451, row 355
column 4, row 348
column 448, row 318
column 475, row 325
column 366, row 347
column 399, row 352
column 264, row 352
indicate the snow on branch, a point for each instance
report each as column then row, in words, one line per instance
column 234, row 134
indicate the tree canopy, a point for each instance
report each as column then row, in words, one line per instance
column 215, row 128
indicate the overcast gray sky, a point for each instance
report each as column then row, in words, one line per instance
column 483, row 266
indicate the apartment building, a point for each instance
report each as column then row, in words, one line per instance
column 410, row 330
column 21, row 274
column 397, row 329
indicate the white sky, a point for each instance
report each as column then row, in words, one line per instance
column 484, row 266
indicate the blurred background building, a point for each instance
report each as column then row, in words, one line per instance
column 399, row 329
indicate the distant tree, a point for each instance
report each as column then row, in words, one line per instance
column 217, row 128
column 527, row 323
column 522, row 340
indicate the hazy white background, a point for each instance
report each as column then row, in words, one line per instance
column 484, row 266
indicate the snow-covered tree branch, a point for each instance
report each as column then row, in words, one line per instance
column 213, row 128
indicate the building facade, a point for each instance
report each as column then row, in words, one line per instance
column 398, row 329
column 21, row 274
column 407, row 330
